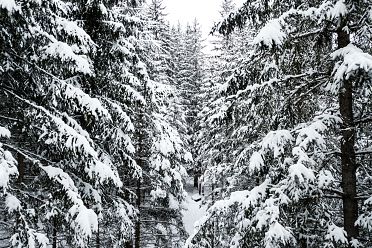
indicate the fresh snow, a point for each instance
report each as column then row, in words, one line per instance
column 193, row 211
column 354, row 59
column 271, row 34
column 9, row 5
column 325, row 178
column 276, row 140
column 8, row 166
column 4, row 132
column 8, row 169
column 12, row 203
column 278, row 232
column 86, row 221
column 338, row 10
column 62, row 50
column 188, row 157
column 71, row 28
column 336, row 234
column 255, row 162
column 158, row 193
column 93, row 105
column 301, row 172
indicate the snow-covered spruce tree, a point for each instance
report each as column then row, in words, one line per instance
column 75, row 94
column 191, row 73
column 161, row 187
column 176, row 49
column 189, row 78
column 159, row 150
column 213, row 140
column 231, row 48
column 297, row 111
column 164, row 67
column 117, row 79
column 65, row 141
column 166, row 57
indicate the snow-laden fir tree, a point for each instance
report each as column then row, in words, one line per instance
column 213, row 140
column 159, row 150
column 86, row 125
column 161, row 187
column 189, row 78
column 66, row 178
column 298, row 111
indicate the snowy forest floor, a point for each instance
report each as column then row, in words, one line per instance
column 193, row 210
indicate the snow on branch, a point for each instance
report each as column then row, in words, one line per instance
column 67, row 92
column 65, row 52
column 365, row 219
column 169, row 141
column 64, row 137
column 4, row 132
column 72, row 29
column 338, row 10
column 86, row 220
column 278, row 234
column 129, row 92
column 276, row 141
column 8, row 165
column 75, row 125
column 256, row 162
column 243, row 200
column 353, row 60
column 8, row 169
column 270, row 35
column 118, row 112
column 9, row 5
column 27, row 236
column 336, row 234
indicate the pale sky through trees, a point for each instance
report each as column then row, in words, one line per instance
column 206, row 11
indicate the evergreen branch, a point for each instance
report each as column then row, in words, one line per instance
column 36, row 66
column 307, row 34
column 24, row 152
column 335, row 191
column 10, row 118
column 5, row 224
column 363, row 152
column 163, row 222
column 363, row 120
column 361, row 20
column 333, row 196
column 32, row 196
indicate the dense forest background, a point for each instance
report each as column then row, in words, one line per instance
column 106, row 110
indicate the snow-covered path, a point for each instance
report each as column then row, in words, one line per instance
column 193, row 210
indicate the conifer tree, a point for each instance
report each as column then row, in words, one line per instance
column 83, row 126
column 190, row 77
column 66, row 178
column 161, row 152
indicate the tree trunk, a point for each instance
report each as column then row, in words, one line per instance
column 128, row 244
column 137, row 241
column 21, row 167
column 348, row 160
column 54, row 242
column 196, row 178
column 98, row 240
